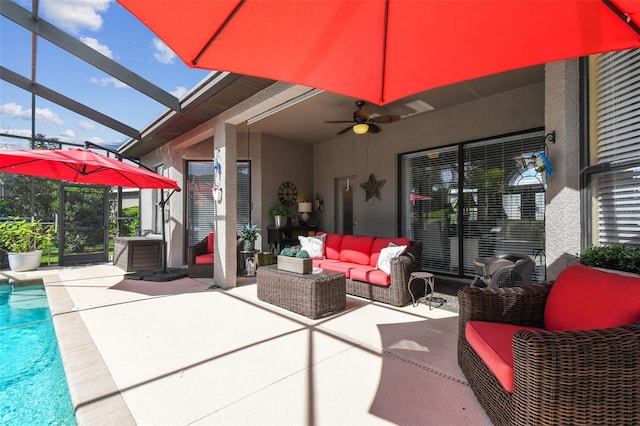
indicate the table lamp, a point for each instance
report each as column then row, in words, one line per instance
column 305, row 209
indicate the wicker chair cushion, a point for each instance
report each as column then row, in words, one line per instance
column 583, row 298
column 210, row 240
column 356, row 249
column 204, row 259
column 380, row 243
column 492, row 343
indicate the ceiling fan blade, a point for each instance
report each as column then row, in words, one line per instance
column 373, row 128
column 343, row 131
column 340, row 121
column 384, row 119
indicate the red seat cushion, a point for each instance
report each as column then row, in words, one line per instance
column 332, row 245
column 380, row 243
column 584, row 298
column 204, row 259
column 342, row 267
column 492, row 342
column 210, row 242
column 372, row 276
column 356, row 249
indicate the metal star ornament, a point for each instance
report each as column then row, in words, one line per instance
column 372, row 187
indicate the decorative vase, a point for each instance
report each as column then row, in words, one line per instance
column 23, row 262
column 248, row 245
column 281, row 221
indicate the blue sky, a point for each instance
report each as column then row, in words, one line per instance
column 108, row 28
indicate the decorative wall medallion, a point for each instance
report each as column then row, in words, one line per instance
column 287, row 193
column 372, row 187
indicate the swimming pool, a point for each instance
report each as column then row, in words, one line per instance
column 33, row 387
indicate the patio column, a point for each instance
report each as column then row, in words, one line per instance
column 225, row 263
column 562, row 115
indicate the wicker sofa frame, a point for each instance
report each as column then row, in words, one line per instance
column 560, row 378
column 198, row 270
column 396, row 293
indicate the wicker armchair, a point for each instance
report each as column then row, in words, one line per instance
column 560, row 378
column 199, row 270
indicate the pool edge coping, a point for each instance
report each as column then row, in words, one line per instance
column 95, row 396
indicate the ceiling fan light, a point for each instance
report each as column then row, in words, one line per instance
column 360, row 128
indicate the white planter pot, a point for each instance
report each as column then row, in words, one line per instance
column 23, row 262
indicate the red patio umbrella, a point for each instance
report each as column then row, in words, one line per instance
column 81, row 166
column 384, row 50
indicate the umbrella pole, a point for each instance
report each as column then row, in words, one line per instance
column 163, row 203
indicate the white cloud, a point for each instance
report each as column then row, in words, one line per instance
column 68, row 134
column 162, row 52
column 75, row 15
column 14, row 110
column 95, row 45
column 106, row 81
column 17, row 132
column 179, row 92
column 95, row 139
column 86, row 125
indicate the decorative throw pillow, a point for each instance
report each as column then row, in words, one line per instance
column 313, row 245
column 388, row 253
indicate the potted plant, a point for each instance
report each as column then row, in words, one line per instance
column 23, row 241
column 280, row 215
column 616, row 257
column 248, row 236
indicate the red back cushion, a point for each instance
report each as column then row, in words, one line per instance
column 210, row 242
column 356, row 249
column 380, row 243
column 332, row 245
column 583, row 298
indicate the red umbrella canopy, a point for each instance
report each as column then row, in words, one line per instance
column 384, row 50
column 80, row 166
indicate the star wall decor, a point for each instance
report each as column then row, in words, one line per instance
column 372, row 187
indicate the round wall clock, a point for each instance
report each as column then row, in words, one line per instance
column 287, row 193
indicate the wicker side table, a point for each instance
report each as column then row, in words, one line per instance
column 311, row 295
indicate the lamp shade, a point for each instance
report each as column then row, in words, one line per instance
column 304, row 207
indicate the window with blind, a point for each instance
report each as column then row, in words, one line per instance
column 478, row 199
column 613, row 173
column 201, row 207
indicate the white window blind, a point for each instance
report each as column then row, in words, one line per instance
column 479, row 199
column 615, row 141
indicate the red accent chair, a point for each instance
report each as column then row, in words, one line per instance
column 200, row 258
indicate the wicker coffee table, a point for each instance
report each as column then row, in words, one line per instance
column 312, row 295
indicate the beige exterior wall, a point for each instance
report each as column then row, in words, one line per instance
column 314, row 168
column 352, row 155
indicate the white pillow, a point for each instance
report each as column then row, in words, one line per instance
column 313, row 245
column 388, row 253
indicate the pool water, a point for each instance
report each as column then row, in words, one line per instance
column 33, row 387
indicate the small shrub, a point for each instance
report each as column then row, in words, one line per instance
column 618, row 257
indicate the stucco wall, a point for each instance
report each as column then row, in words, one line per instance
column 350, row 154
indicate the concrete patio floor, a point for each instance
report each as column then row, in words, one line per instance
column 176, row 353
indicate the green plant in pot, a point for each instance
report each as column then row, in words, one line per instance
column 280, row 215
column 248, row 236
column 24, row 240
column 617, row 257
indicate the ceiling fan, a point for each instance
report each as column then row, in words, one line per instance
column 363, row 122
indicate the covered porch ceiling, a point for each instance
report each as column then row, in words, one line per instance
column 304, row 121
